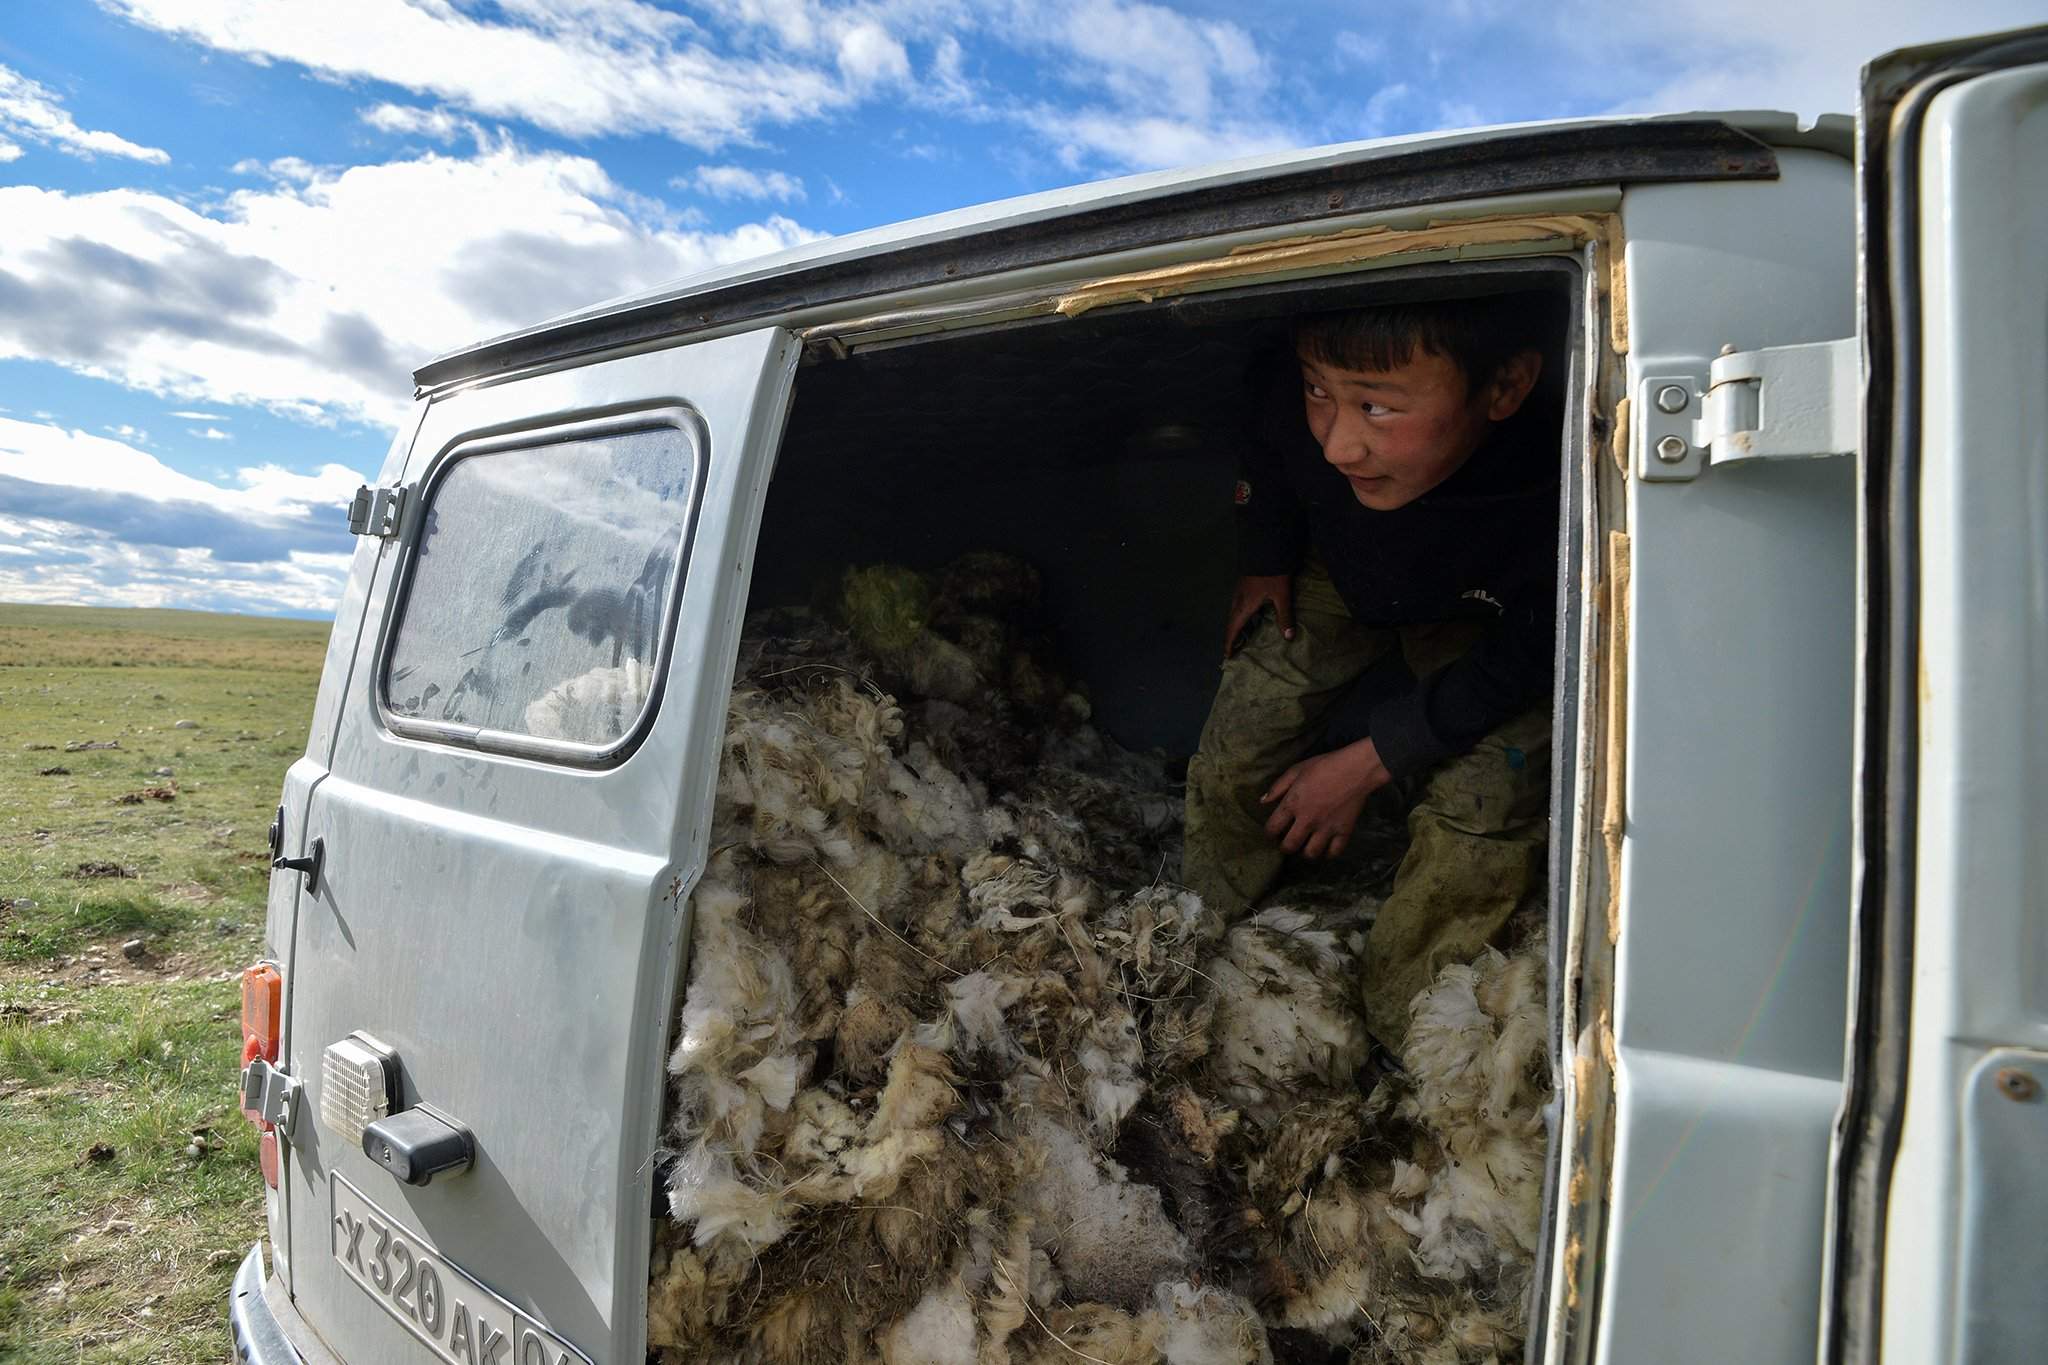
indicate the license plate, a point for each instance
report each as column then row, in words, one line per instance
column 437, row 1301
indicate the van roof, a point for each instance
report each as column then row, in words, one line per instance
column 1162, row 206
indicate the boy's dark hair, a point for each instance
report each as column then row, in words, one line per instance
column 1478, row 335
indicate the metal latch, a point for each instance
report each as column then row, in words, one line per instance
column 307, row 866
column 375, row 511
column 270, row 1093
column 1777, row 403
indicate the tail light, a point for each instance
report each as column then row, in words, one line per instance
column 262, row 1007
column 262, row 1011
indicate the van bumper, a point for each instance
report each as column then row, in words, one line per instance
column 259, row 1340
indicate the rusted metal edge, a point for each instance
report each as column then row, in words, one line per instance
column 1511, row 233
column 1491, row 240
column 1594, row 1061
column 1576, row 1218
column 1392, row 178
column 1613, row 821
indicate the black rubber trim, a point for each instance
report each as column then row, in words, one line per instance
column 259, row 1340
column 1391, row 178
column 1898, row 92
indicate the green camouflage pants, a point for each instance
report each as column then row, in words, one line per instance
column 1477, row 825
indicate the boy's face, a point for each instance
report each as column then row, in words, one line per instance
column 1395, row 434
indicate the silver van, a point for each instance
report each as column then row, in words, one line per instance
column 1799, row 973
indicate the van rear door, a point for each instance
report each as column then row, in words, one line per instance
column 1939, row 1193
column 519, row 795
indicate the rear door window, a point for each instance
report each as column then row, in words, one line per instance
column 535, row 614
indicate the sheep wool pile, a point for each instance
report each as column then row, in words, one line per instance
column 962, row 1078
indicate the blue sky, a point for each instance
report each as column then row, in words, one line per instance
column 229, row 228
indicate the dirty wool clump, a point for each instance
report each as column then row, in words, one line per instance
column 961, row 1077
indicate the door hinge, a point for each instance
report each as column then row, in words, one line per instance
column 1776, row 403
column 270, row 1093
column 375, row 511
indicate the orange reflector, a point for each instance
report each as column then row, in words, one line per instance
column 266, row 1154
column 262, row 1006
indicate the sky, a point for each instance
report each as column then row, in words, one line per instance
column 229, row 229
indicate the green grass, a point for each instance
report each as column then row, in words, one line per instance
column 115, row 1244
column 129, row 678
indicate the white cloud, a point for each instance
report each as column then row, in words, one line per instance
column 1162, row 88
column 1759, row 54
column 9, row 151
column 1379, row 108
column 208, row 434
column 794, row 23
column 44, row 453
column 31, row 110
column 1083, row 138
column 869, row 55
column 946, row 81
column 1187, row 88
column 1150, row 57
column 438, row 124
column 42, row 560
column 316, row 298
column 200, row 416
column 1360, row 49
column 295, row 169
column 129, row 433
column 94, row 520
column 1458, row 114
column 737, row 182
column 577, row 67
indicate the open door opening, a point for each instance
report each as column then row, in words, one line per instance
column 959, row 1061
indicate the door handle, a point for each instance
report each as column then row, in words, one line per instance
column 308, row 864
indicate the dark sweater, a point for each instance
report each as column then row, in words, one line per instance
column 1481, row 546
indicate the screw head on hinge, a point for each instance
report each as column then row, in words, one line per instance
column 1672, row 399
column 1672, row 449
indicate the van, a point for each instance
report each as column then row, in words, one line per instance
column 1798, row 1029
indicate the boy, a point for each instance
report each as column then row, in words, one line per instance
column 1400, row 491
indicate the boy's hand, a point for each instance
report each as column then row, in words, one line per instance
column 1316, row 802
column 1253, row 592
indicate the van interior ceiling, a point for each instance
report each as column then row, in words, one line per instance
column 1099, row 449
column 959, row 1072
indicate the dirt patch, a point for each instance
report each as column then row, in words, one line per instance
column 57, row 771
column 103, row 964
column 91, row 871
column 36, row 1012
column 166, row 791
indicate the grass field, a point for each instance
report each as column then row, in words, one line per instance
column 130, row 1186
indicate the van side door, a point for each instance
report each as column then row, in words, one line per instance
column 1939, row 1193
column 517, row 806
